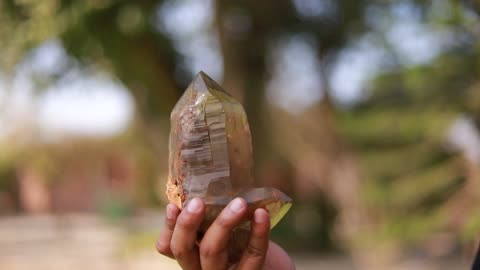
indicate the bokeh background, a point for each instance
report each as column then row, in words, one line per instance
column 367, row 113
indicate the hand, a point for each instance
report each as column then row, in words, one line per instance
column 178, row 239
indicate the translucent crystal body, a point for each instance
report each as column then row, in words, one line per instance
column 211, row 154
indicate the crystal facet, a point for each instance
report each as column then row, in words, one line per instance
column 211, row 154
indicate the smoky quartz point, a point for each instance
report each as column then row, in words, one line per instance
column 211, row 154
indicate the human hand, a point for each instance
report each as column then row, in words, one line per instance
column 179, row 239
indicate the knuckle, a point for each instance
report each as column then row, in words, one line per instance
column 254, row 252
column 226, row 222
column 222, row 221
column 208, row 251
column 186, row 222
column 178, row 251
column 162, row 248
column 170, row 226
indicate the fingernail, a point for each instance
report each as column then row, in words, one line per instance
column 237, row 205
column 170, row 211
column 260, row 217
column 194, row 206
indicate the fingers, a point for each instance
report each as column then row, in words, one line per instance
column 277, row 258
column 178, row 239
column 254, row 256
column 213, row 248
column 183, row 244
column 163, row 242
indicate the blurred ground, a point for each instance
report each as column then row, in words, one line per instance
column 91, row 242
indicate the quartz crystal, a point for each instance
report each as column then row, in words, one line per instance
column 211, row 154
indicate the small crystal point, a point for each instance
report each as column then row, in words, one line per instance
column 273, row 200
column 211, row 154
column 203, row 82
